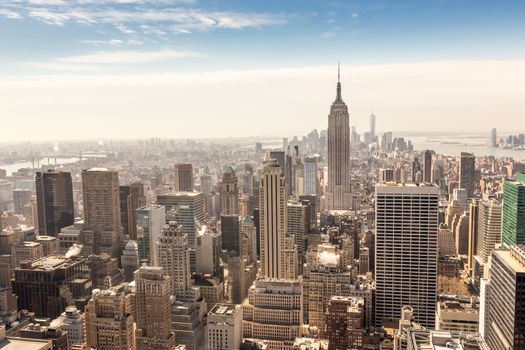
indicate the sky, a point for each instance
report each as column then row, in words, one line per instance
column 83, row 69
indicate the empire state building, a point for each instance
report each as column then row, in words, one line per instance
column 338, row 195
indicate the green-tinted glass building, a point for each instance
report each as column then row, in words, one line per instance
column 514, row 211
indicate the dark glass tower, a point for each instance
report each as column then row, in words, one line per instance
column 54, row 196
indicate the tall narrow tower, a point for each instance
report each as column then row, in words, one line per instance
column 272, row 206
column 338, row 195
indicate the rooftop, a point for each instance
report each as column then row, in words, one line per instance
column 24, row 344
column 224, row 309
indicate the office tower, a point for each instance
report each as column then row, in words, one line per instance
column 26, row 252
column 386, row 175
column 345, row 323
column 150, row 220
column 130, row 260
column 298, row 182
column 188, row 207
column 131, row 198
column 484, row 299
column 7, row 269
column 101, row 229
column 514, row 211
column 272, row 206
column 224, row 327
column 183, row 177
column 446, row 241
column 457, row 314
column 298, row 225
column 173, row 256
column 46, row 286
column 236, row 290
column 489, row 227
column 249, row 231
column 460, row 195
column 21, row 198
column 427, row 166
column 467, row 169
column 208, row 252
column 187, row 323
column 72, row 321
column 416, row 169
column 105, row 272
column 324, row 276
column 372, row 127
column 37, row 331
column 211, row 289
column 406, row 232
column 280, row 157
column 473, row 219
column 231, row 234
column 50, row 245
column 273, row 311
column 310, row 176
column 109, row 325
column 461, row 225
column 229, row 192
column 153, row 309
column 6, row 194
column 338, row 195
column 54, row 196
column 494, row 137
column 206, row 185
column 506, row 325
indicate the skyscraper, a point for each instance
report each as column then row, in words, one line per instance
column 514, row 211
column 150, row 220
column 406, row 250
column 229, row 192
column 224, row 327
column 467, row 168
column 372, row 127
column 153, row 309
column 338, row 195
column 131, row 198
column 473, row 219
column 183, row 177
column 427, row 166
column 505, row 325
column 310, row 175
column 489, row 228
column 109, row 325
column 101, row 229
column 173, row 256
column 54, row 196
column 231, row 234
column 494, row 138
column 272, row 206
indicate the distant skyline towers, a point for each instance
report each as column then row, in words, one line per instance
column 494, row 138
column 372, row 127
column 514, row 211
column 272, row 206
column 467, row 169
column 54, row 197
column 406, row 251
column 427, row 166
column 338, row 194
column 101, row 229
column 183, row 177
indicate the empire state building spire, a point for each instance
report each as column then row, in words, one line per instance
column 338, row 97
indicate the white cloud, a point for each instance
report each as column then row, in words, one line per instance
column 126, row 57
column 440, row 95
column 175, row 16
column 9, row 14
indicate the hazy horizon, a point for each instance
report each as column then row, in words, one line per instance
column 190, row 69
